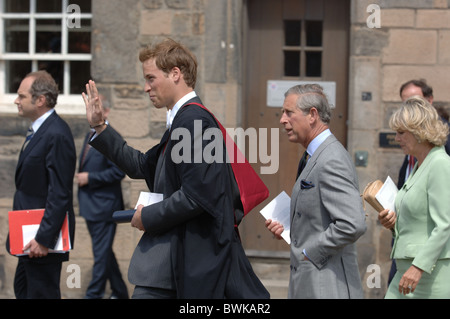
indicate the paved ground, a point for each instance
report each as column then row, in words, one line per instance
column 274, row 274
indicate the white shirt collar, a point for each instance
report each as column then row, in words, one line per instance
column 37, row 124
column 171, row 113
column 315, row 143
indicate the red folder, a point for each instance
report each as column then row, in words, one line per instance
column 20, row 218
column 252, row 189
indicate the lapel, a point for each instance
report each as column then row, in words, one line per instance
column 412, row 179
column 165, row 141
column 313, row 159
column 418, row 172
column 36, row 138
column 309, row 167
column 159, row 174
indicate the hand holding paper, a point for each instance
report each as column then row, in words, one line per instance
column 34, row 249
column 275, row 227
column 23, row 226
column 136, row 221
column 145, row 199
column 387, row 218
column 387, row 193
column 279, row 210
column 148, row 198
column 381, row 195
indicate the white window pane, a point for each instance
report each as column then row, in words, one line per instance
column 17, row 6
column 80, row 38
column 15, row 71
column 49, row 6
column 51, row 45
column 85, row 5
column 48, row 36
column 80, row 74
column 56, row 69
column 16, row 35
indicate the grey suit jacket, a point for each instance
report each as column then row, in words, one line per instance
column 327, row 218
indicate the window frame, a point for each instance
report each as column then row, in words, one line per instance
column 67, row 103
column 302, row 48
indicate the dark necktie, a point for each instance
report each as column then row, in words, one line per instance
column 302, row 163
column 86, row 149
column 30, row 134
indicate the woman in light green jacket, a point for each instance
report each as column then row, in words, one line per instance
column 421, row 222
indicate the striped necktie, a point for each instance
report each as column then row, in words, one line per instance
column 30, row 134
column 86, row 149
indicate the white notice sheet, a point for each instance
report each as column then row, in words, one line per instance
column 387, row 193
column 279, row 210
column 148, row 198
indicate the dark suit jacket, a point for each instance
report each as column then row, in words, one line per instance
column 190, row 243
column 103, row 194
column 44, row 179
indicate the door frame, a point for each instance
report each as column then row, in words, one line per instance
column 334, row 30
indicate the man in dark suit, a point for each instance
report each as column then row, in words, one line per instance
column 99, row 195
column 190, row 247
column 44, row 179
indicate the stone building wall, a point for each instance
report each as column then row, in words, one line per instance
column 413, row 42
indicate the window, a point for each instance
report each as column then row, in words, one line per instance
column 51, row 35
column 303, row 48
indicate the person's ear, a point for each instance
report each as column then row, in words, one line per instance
column 40, row 101
column 314, row 115
column 176, row 74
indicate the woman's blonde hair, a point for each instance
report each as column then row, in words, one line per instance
column 420, row 118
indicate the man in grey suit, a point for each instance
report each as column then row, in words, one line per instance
column 327, row 216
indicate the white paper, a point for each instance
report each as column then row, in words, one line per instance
column 148, row 198
column 279, row 210
column 387, row 193
column 29, row 232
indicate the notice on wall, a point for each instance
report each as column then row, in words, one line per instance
column 276, row 90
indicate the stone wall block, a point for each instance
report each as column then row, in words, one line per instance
column 368, row 42
column 433, row 19
column 131, row 123
column 422, row 4
column 398, row 18
column 114, row 38
column 395, row 75
column 156, row 22
column 444, row 47
column 152, row 4
column 178, row 4
column 411, row 47
column 365, row 79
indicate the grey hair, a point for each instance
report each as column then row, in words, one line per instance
column 309, row 96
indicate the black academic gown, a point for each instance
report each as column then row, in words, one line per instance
column 207, row 248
